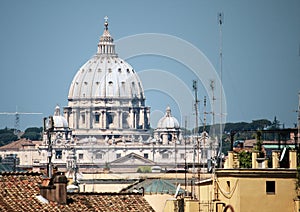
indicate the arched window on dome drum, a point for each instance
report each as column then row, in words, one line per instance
column 83, row 118
column 125, row 124
column 110, row 89
column 133, row 89
column 110, row 119
column 97, row 118
column 123, row 89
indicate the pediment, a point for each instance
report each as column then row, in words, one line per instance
column 132, row 159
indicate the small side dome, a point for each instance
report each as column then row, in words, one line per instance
column 59, row 120
column 168, row 121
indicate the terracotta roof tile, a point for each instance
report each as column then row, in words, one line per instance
column 19, row 144
column 19, row 190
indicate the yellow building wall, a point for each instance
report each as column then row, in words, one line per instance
column 171, row 205
column 229, row 191
column 158, row 201
column 249, row 194
column 192, row 205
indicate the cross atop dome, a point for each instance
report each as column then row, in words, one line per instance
column 106, row 45
column 106, row 22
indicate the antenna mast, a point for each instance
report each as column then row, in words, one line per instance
column 298, row 136
column 17, row 118
column 212, row 86
column 204, row 150
column 221, row 20
column 195, row 88
column 185, row 167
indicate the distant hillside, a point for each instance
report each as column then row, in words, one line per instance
column 7, row 135
column 240, row 126
column 35, row 133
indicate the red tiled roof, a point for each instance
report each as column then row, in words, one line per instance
column 19, row 190
column 19, row 144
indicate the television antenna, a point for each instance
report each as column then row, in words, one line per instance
column 221, row 21
column 17, row 118
column 298, row 118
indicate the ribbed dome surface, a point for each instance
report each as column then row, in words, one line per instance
column 105, row 75
column 168, row 121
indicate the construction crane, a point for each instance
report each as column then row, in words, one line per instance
column 17, row 118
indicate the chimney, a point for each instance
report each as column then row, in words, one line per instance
column 232, row 161
column 229, row 160
column 60, row 182
column 275, row 159
column 254, row 159
column 55, row 189
column 293, row 159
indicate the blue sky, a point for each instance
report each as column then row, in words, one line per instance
column 44, row 43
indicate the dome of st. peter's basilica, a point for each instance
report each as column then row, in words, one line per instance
column 106, row 98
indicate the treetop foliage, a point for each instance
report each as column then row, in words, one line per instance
column 241, row 126
column 7, row 135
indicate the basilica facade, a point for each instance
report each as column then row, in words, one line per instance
column 106, row 124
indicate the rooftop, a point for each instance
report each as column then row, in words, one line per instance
column 20, row 144
column 21, row 192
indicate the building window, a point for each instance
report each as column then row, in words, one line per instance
column 123, row 88
column 83, row 118
column 99, row 156
column 165, row 155
column 228, row 186
column 270, row 187
column 170, row 137
column 58, row 154
column 118, row 155
column 110, row 118
column 97, row 118
column 80, row 156
column 182, row 156
column 146, row 155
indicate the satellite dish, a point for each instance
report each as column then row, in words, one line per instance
column 282, row 154
column 177, row 191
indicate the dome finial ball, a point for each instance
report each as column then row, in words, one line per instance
column 106, row 22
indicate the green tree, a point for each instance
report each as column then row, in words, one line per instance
column 7, row 136
column 259, row 124
column 144, row 169
column 258, row 145
column 245, row 159
column 275, row 123
column 33, row 133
